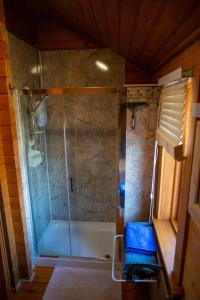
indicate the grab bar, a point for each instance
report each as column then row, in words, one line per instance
column 113, row 260
column 116, row 237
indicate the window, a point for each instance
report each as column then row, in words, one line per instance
column 173, row 183
column 194, row 198
column 170, row 135
column 169, row 188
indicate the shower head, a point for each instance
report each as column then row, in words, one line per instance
column 40, row 102
column 39, row 113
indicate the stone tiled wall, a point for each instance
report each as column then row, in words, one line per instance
column 23, row 61
column 139, row 153
column 66, row 68
column 10, row 175
column 92, row 134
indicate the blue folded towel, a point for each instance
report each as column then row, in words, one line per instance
column 139, row 237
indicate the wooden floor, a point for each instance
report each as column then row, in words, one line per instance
column 36, row 289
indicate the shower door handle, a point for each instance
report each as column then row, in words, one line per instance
column 72, row 184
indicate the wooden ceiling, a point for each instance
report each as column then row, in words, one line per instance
column 147, row 33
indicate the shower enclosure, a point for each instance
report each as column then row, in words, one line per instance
column 70, row 145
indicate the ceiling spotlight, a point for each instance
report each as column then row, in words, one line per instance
column 101, row 65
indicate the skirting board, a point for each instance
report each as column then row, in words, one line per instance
column 19, row 284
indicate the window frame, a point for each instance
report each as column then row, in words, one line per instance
column 194, row 196
column 169, row 172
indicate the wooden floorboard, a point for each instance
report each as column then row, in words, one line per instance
column 36, row 289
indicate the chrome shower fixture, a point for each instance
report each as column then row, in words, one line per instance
column 132, row 106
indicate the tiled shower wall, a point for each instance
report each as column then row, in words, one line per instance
column 139, row 152
column 91, row 134
column 24, row 60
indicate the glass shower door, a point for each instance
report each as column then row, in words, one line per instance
column 71, row 158
column 92, row 143
column 45, row 149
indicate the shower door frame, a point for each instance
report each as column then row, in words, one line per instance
column 62, row 91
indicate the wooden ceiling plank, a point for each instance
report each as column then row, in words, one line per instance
column 64, row 34
column 99, row 16
column 189, row 23
column 71, row 10
column 36, row 9
column 141, row 31
column 87, row 12
column 59, row 36
column 151, row 26
column 64, row 11
column 134, row 29
column 145, row 20
column 111, row 12
column 127, row 21
column 63, row 45
column 167, row 20
column 189, row 42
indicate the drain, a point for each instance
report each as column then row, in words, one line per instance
column 107, row 256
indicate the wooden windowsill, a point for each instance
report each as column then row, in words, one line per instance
column 175, row 225
column 166, row 238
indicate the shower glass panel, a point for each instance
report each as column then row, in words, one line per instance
column 72, row 171
column 92, row 140
column 45, row 160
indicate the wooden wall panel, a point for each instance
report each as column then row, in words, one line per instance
column 5, row 286
column 192, row 264
column 132, row 291
column 188, row 58
column 9, row 177
column 53, row 35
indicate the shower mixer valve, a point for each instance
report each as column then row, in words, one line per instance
column 132, row 106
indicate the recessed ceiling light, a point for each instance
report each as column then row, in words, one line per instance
column 101, row 65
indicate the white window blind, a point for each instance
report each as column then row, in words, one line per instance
column 169, row 133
